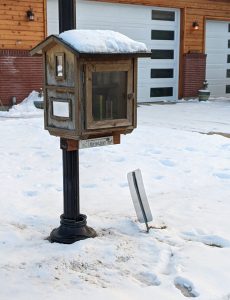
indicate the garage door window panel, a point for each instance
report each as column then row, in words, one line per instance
column 161, row 92
column 162, row 73
column 160, row 15
column 162, row 54
column 162, row 35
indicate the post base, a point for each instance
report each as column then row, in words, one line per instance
column 71, row 231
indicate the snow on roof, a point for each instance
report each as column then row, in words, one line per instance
column 101, row 41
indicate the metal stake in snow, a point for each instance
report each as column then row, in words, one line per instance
column 139, row 198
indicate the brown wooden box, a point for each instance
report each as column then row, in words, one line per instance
column 88, row 95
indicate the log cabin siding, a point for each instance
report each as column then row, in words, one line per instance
column 16, row 32
column 20, row 73
column 195, row 10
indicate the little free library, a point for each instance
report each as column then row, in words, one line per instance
column 90, row 88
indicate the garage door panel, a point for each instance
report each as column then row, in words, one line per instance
column 211, row 27
column 113, row 12
column 162, row 44
column 217, row 73
column 144, row 78
column 219, row 82
column 218, row 58
column 219, row 61
column 217, row 91
column 161, row 63
column 137, row 23
column 217, row 43
column 143, row 94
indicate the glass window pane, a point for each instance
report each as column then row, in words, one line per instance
column 162, row 54
column 163, row 15
column 228, row 58
column 228, row 43
column 109, row 95
column 161, row 92
column 227, row 89
column 228, row 27
column 228, row 73
column 161, row 73
column 163, row 35
column 60, row 65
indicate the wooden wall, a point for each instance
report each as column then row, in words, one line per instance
column 192, row 10
column 16, row 32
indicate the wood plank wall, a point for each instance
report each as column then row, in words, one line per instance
column 16, row 32
column 192, row 10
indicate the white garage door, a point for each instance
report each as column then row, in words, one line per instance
column 158, row 28
column 218, row 58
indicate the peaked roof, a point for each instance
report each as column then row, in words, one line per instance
column 95, row 43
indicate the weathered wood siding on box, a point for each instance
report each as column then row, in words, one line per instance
column 192, row 10
column 16, row 32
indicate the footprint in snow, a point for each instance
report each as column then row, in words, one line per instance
column 190, row 149
column 185, row 286
column 166, row 263
column 42, row 154
column 222, row 175
column 13, row 153
column 107, row 179
column 209, row 240
column 31, row 193
column 119, row 159
column 89, row 186
column 167, row 163
column 159, row 177
column 26, row 168
column 225, row 146
column 147, row 278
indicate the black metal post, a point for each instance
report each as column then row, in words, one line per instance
column 73, row 224
column 71, row 184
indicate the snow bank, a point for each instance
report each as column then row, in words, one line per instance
column 24, row 109
column 101, row 41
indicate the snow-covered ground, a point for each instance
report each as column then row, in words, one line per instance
column 186, row 173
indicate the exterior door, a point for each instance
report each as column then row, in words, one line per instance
column 218, row 58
